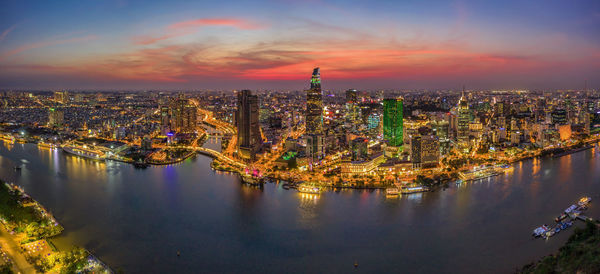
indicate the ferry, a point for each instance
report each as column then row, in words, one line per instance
column 392, row 191
column 309, row 188
column 415, row 189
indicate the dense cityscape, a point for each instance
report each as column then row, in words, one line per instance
column 299, row 136
column 384, row 139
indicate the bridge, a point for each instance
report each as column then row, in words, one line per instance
column 217, row 155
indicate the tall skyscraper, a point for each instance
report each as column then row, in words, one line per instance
column 248, row 137
column 183, row 116
column 314, row 119
column 393, row 121
column 463, row 121
column 314, row 105
column 56, row 117
column 352, row 110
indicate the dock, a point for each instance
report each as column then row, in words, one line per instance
column 573, row 212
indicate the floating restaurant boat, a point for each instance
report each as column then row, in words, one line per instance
column 392, row 191
column 414, row 189
column 309, row 188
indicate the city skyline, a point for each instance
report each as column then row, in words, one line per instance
column 271, row 45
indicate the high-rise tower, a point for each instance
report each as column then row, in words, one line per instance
column 393, row 121
column 464, row 117
column 248, row 137
column 314, row 105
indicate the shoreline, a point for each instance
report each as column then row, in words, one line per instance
column 18, row 247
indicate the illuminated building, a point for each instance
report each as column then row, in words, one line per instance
column 559, row 117
column 393, row 121
column 314, row 148
column 56, row 117
column 352, row 110
column 564, row 132
column 463, row 121
column 314, row 105
column 359, row 148
column 165, row 120
column 183, row 116
column 362, row 167
column 249, row 139
column 430, row 151
column 61, row 97
column 314, row 119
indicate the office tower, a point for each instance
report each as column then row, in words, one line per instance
column 183, row 116
column 359, row 148
column 415, row 151
column 56, row 117
column 559, row 117
column 352, row 110
column 393, row 121
column 314, row 105
column 314, row 148
column 165, row 120
column 430, row 151
column 463, row 119
column 246, row 118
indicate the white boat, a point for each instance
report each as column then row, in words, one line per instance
column 309, row 188
column 84, row 153
column 584, row 201
column 392, row 191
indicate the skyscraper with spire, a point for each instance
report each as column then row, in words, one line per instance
column 314, row 105
column 464, row 117
column 314, row 119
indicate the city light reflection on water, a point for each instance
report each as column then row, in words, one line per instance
column 112, row 208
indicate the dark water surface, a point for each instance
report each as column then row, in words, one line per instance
column 136, row 220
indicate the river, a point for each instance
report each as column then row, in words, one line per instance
column 137, row 219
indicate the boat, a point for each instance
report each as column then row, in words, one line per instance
column 540, row 231
column 561, row 217
column 414, row 189
column 309, row 188
column 392, row 191
column 584, row 201
column 549, row 233
column 557, row 229
column 86, row 153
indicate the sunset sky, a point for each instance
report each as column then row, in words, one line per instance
column 124, row 44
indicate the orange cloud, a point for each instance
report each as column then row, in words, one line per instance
column 188, row 27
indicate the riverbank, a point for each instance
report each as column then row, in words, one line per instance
column 26, row 229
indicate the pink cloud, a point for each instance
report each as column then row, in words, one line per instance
column 6, row 32
column 188, row 27
column 42, row 44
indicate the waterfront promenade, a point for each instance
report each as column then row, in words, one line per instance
column 8, row 244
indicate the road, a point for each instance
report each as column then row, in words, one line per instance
column 20, row 265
